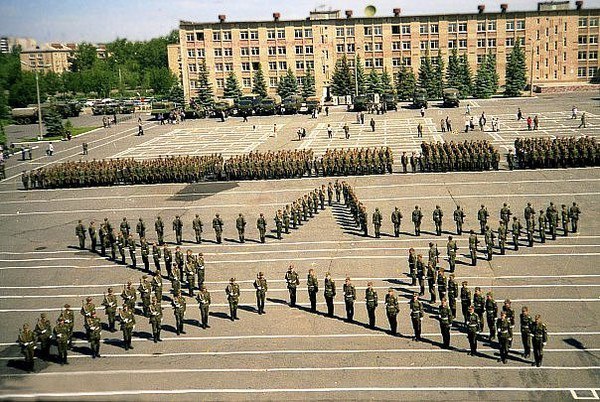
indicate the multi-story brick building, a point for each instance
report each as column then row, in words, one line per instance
column 53, row 57
column 560, row 41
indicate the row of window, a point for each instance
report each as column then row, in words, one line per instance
column 250, row 34
column 585, row 22
column 247, row 82
column 591, row 55
column 591, row 71
column 583, row 39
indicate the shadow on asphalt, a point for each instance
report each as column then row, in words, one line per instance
column 198, row 191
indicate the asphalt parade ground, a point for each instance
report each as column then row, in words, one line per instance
column 291, row 353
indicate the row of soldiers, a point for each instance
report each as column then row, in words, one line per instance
column 532, row 153
column 453, row 156
column 474, row 307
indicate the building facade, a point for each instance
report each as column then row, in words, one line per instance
column 52, row 57
column 560, row 42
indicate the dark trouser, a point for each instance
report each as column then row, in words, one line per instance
column 93, row 246
column 452, row 304
column 516, row 242
column 526, row 340
column 179, row 322
column 538, row 351
column 241, row 235
column 146, row 262
column 233, row 305
column 111, row 320
column 465, row 309
column 204, row 315
column 161, row 239
column 413, row 274
column 441, row 293
column 262, row 236
column 574, row 225
column 565, row 226
column 480, row 314
column 377, row 230
column 127, row 337
column 260, row 302
column 473, row 253
column 421, row 286
column 489, row 251
column 553, row 231
column 542, row 234
column 62, row 351
column 169, row 266
column 431, row 286
column 293, row 297
column 417, row 229
column 504, row 348
column 329, row 301
column 371, row 313
column 156, row 327
column 198, row 236
column 491, row 325
column 45, row 347
column 313, row 300
column 396, row 229
column 81, row 242
column 392, row 318
column 132, row 255
column 482, row 226
column 349, row 309
column 459, row 228
column 157, row 264
column 452, row 261
column 416, row 323
column 95, row 346
column 438, row 228
column 28, row 352
column 218, row 236
column 472, row 335
column 445, row 329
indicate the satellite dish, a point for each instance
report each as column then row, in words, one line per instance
column 370, row 11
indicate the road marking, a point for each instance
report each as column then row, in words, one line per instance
column 593, row 396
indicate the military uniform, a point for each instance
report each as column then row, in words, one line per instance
column 260, row 284
column 197, row 226
column 292, row 281
column 127, row 324
column 200, row 269
column 80, row 233
column 452, row 294
column 168, row 257
column 43, row 333
column 159, row 227
column 526, row 323
column 69, row 318
column 421, row 271
column 491, row 313
column 95, row 334
column 156, row 316
column 459, row 218
column 479, row 306
column 451, row 248
column 110, row 308
column 503, row 326
column 179, row 306
column 129, row 296
column 516, row 231
column 445, row 318
column 62, row 336
column 87, row 310
column 473, row 242
column 131, row 246
column 539, row 335
column 178, row 229
column 412, row 266
column 574, row 213
column 26, row 341
column 417, row 217
column 145, row 290
column 180, row 262
column 371, row 302
column 431, row 280
column 93, row 237
column 391, row 308
column 397, row 221
column 217, row 225
column 329, row 294
column 240, row 224
column 472, row 330
column 157, row 285
column 377, row 218
column 349, row 298
column 438, row 215
column 465, row 300
column 313, row 289
column 203, row 298
column 482, row 217
column 140, row 229
column 416, row 316
column 278, row 224
column 233, row 297
column 502, row 233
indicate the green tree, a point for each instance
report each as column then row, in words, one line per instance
column 515, row 71
column 386, row 82
column 84, row 57
column 23, row 91
column 492, row 71
column 308, row 85
column 454, row 71
column 53, row 123
column 232, row 87
column 360, row 74
column 205, row 92
column 259, row 84
column 176, row 95
column 466, row 77
column 438, row 78
column 288, row 85
column 160, row 80
column 373, row 83
column 427, row 77
column 3, row 105
column 483, row 81
column 342, row 83
column 405, row 83
column 51, row 83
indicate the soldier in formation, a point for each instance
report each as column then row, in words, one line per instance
column 349, row 298
column 458, row 156
column 260, row 284
column 538, row 153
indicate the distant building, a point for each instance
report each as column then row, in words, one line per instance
column 54, row 57
column 7, row 43
column 560, row 43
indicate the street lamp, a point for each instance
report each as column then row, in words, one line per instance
column 356, row 48
column 532, row 41
column 39, row 103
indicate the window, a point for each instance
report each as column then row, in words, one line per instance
column 310, row 64
column 377, row 30
column 218, row 52
column 555, row 45
column 396, row 62
column 396, row 45
column 300, row 80
column 193, row 84
column 216, row 36
column 283, row 65
column 395, row 29
column 565, row 41
column 255, row 51
column 481, row 26
column 191, row 53
column 378, row 62
column 226, row 35
column 281, row 34
column 423, row 28
column 423, row 45
column 546, row 62
column 434, row 28
column 555, row 59
column 451, row 44
column 189, row 37
column 350, row 47
column 405, row 29
column 253, row 34
column 481, row 42
column 593, row 39
column 369, row 63
column 272, row 65
column 480, row 58
column 228, row 51
column 452, row 27
column 220, row 83
column 378, row 46
column 280, row 49
column 200, row 52
column 581, row 71
column 244, row 35
column 299, row 49
column 297, row 33
column 520, row 25
column 593, row 55
column 368, row 31
column 462, row 43
column 308, row 49
column 510, row 25
column 593, row 71
column 340, row 48
column 228, row 66
column 405, row 45
column 350, row 31
column 564, row 56
column 199, row 35
column 407, row 61
column 308, row 33
column 339, row 32
column 546, row 46
column 564, row 70
column 491, row 42
column 491, row 26
column 245, row 66
column 581, row 55
column 219, row 67
column 299, row 65
column 555, row 29
column 368, row 47
column 192, row 68
column 547, row 33
column 272, row 82
column 593, row 22
column 271, row 34
column 462, row 27
column 246, row 82
column 510, row 42
column 272, row 50
column 434, row 44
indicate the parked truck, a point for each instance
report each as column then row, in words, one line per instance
column 450, row 96
column 420, row 98
column 269, row 106
column 291, row 104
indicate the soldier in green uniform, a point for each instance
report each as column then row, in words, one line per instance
column 451, row 248
column 26, row 341
column 442, row 283
column 491, row 312
column 574, row 213
column 175, row 282
column 503, row 326
column 168, row 257
column 159, row 227
column 240, row 224
column 397, row 221
column 156, row 255
column 510, row 315
column 391, row 308
column 80, row 233
column 330, row 191
column 286, row 219
column 233, row 297
column 417, row 217
column 69, row 318
column 349, row 298
column 110, row 308
column 377, row 218
column 180, row 262
column 127, row 319
column 131, row 246
column 489, row 242
column 190, row 271
column 502, row 233
column 112, row 240
column 279, row 224
column 526, row 323
column 371, row 302
column 292, row 281
column 200, row 269
column 217, row 225
column 505, row 213
column 124, row 227
column 459, row 218
column 178, row 229
column 329, row 294
column 482, row 217
column 313, row 288
column 431, row 280
column 516, row 231
column 416, row 315
column 203, row 298
column 564, row 215
column 157, row 285
column 473, row 326
column 479, row 306
column 465, row 300
column 473, row 242
column 197, row 226
column 140, row 229
column 145, row 290
column 421, row 271
column 445, row 317
column 129, row 296
column 25, row 178
column 539, row 335
column 61, row 334
column 95, row 327
column 412, row 266
column 103, row 240
column 120, row 244
column 156, row 316
column 552, row 215
column 261, row 225
column 93, row 237
column 87, row 309
column 260, row 284
column 179, row 306
column 438, row 215
column 452, row 294
column 43, row 333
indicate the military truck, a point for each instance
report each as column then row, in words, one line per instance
column 291, row 104
column 247, row 104
column 223, row 107
column 161, row 108
column 25, row 115
column 108, row 108
column 420, row 98
column 389, row 100
column 361, row 103
column 195, row 111
column 127, row 107
column 450, row 96
column 269, row 106
column 312, row 103
column 29, row 114
column 65, row 108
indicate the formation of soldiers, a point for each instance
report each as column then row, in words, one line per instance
column 452, row 156
column 188, row 169
column 534, row 153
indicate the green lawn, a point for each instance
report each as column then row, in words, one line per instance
column 75, row 131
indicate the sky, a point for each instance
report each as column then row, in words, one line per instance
column 100, row 21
